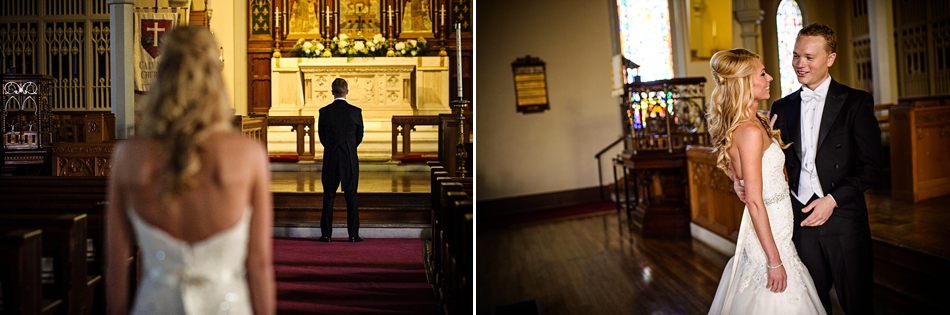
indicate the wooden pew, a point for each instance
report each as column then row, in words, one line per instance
column 446, row 185
column 63, row 195
column 445, row 192
column 437, row 172
column 47, row 194
column 459, row 248
column 64, row 243
column 447, row 280
column 20, row 268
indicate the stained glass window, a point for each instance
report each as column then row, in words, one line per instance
column 645, row 37
column 788, row 21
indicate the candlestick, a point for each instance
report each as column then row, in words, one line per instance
column 458, row 59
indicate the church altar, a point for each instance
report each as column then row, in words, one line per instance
column 382, row 87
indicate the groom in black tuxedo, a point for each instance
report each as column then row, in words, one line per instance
column 341, row 130
column 834, row 158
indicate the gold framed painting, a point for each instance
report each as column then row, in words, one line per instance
column 359, row 19
column 303, row 19
column 417, row 18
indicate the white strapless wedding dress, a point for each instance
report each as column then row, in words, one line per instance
column 742, row 287
column 207, row 277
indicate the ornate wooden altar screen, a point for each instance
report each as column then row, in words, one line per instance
column 660, row 119
column 26, row 122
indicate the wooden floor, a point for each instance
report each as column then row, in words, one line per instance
column 594, row 265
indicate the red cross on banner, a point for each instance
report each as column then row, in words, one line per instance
column 152, row 33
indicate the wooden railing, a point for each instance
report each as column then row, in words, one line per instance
column 403, row 127
column 255, row 127
column 304, row 126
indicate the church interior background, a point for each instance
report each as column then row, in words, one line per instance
column 531, row 161
column 567, row 156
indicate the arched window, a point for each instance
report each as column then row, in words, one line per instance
column 788, row 21
column 645, row 37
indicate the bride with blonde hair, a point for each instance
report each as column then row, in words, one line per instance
column 766, row 275
column 192, row 194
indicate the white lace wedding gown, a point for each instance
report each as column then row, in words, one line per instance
column 207, row 277
column 742, row 287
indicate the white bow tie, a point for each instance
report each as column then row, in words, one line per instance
column 811, row 96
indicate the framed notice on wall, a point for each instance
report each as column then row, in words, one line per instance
column 531, row 88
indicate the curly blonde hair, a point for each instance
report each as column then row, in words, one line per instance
column 186, row 103
column 732, row 71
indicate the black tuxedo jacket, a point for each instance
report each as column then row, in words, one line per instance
column 341, row 130
column 848, row 159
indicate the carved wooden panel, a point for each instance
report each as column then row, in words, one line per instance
column 713, row 204
column 82, row 159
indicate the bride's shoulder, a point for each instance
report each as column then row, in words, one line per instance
column 748, row 132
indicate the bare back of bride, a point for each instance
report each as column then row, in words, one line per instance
column 192, row 194
column 765, row 276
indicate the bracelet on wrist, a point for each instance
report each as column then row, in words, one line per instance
column 773, row 267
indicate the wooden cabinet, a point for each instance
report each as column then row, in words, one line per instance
column 713, row 204
column 920, row 149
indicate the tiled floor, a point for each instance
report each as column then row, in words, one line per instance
column 373, row 178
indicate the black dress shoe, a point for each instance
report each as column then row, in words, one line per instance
column 354, row 239
column 325, row 239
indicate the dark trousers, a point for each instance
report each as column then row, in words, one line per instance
column 332, row 178
column 837, row 253
column 352, row 217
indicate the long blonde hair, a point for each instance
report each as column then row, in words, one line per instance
column 732, row 71
column 187, row 102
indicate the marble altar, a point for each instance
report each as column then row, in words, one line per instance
column 382, row 86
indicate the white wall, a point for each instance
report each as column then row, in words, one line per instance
column 527, row 154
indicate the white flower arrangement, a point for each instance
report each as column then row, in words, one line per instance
column 344, row 46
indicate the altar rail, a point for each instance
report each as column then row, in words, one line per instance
column 303, row 126
column 403, row 126
column 254, row 127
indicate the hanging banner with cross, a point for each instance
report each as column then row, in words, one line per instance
column 150, row 28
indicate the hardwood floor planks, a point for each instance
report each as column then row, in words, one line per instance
column 593, row 265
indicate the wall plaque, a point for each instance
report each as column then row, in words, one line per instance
column 531, row 89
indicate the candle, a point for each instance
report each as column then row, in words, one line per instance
column 276, row 22
column 443, row 15
column 714, row 28
column 328, row 19
column 458, row 59
column 390, row 15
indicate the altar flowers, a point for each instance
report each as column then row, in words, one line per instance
column 343, row 45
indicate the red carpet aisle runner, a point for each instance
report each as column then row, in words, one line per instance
column 376, row 276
